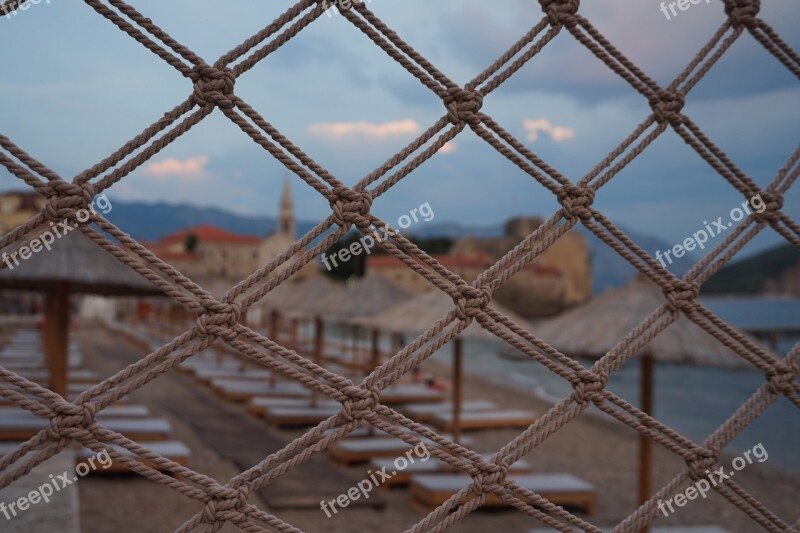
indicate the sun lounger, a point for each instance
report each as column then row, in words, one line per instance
column 175, row 451
column 260, row 406
column 663, row 529
column 112, row 411
column 301, row 416
column 430, row 491
column 138, row 429
column 410, row 393
column 431, row 466
column 423, row 412
column 207, row 375
column 71, row 397
column 352, row 451
column 499, row 419
column 194, row 365
column 73, row 362
column 42, row 376
column 73, row 389
column 242, row 390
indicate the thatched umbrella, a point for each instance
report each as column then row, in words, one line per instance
column 415, row 316
column 367, row 297
column 74, row 264
column 593, row 329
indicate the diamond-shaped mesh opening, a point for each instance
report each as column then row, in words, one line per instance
column 219, row 319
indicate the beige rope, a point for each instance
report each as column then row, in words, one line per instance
column 213, row 86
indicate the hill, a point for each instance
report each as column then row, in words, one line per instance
column 151, row 221
column 749, row 276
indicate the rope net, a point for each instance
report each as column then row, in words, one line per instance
column 213, row 88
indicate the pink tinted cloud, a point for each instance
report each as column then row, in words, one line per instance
column 541, row 125
column 341, row 130
column 193, row 167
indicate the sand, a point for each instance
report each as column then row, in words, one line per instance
column 595, row 449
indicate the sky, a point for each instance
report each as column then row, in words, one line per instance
column 74, row 88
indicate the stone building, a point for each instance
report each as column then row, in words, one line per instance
column 210, row 254
column 559, row 278
column 17, row 207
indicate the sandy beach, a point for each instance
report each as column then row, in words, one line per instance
column 600, row 451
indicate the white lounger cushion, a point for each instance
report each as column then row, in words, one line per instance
column 267, row 402
column 233, row 386
column 381, row 444
column 514, row 414
column 432, row 465
column 113, row 411
column 435, row 408
column 166, row 448
column 231, row 373
column 552, row 483
column 663, row 529
column 120, row 425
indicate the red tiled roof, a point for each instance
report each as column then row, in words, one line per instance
column 177, row 256
column 207, row 233
column 544, row 270
column 481, row 260
column 448, row 261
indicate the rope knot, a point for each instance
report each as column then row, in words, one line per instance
column 64, row 199
column 575, row 202
column 350, row 206
column 561, row 11
column 588, row 386
column 472, row 301
column 219, row 319
column 71, row 421
column 681, row 296
column 463, row 107
column 489, row 476
column 213, row 86
column 700, row 461
column 360, row 402
column 742, row 11
column 667, row 106
column 225, row 503
column 780, row 377
column 773, row 203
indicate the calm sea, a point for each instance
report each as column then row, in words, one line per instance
column 681, row 392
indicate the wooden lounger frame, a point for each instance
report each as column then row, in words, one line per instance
column 427, row 500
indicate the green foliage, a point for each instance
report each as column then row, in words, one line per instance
column 748, row 276
column 190, row 245
column 356, row 265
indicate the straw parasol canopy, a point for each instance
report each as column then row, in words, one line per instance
column 77, row 261
column 302, row 299
column 603, row 321
column 416, row 315
column 591, row 330
column 368, row 296
column 74, row 264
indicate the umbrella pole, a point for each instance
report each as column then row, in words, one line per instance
column 376, row 361
column 353, row 349
column 273, row 332
column 645, row 442
column 456, row 389
column 56, row 337
column 319, row 342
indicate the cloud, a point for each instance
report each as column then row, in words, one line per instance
column 193, row 167
column 448, row 148
column 340, row 130
column 542, row 125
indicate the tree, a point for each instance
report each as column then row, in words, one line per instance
column 190, row 245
